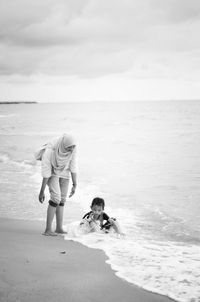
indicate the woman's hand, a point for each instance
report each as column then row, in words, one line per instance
column 43, row 186
column 73, row 190
column 41, row 197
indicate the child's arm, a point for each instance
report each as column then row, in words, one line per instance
column 115, row 226
column 87, row 218
column 89, row 223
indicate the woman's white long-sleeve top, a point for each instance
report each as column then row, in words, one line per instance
column 48, row 170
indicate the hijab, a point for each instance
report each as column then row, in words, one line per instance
column 60, row 157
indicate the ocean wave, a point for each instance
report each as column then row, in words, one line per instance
column 31, row 133
column 132, row 120
column 4, row 158
column 7, row 115
column 36, row 177
column 171, row 227
column 165, row 268
column 25, row 164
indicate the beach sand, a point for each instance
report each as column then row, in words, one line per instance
column 40, row 268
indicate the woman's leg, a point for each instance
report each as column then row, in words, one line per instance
column 50, row 215
column 64, row 184
column 54, row 190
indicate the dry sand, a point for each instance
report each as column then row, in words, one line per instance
column 40, row 268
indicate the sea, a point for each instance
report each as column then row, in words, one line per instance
column 143, row 158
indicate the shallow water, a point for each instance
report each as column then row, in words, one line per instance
column 142, row 158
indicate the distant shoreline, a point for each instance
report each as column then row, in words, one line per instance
column 17, row 102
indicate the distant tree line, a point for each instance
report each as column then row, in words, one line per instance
column 17, row 102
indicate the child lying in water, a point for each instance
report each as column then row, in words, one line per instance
column 98, row 220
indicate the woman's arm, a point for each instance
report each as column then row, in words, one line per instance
column 42, row 190
column 74, row 183
column 46, row 172
column 73, row 170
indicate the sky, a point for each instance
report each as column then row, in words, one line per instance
column 99, row 50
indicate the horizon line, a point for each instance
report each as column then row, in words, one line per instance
column 95, row 101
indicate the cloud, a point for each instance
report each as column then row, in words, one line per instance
column 177, row 11
column 92, row 38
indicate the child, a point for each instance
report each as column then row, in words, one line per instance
column 97, row 219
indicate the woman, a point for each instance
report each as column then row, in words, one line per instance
column 58, row 165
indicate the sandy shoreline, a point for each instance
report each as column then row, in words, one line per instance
column 39, row 268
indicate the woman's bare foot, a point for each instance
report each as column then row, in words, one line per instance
column 49, row 233
column 58, row 231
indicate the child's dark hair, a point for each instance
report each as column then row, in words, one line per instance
column 97, row 201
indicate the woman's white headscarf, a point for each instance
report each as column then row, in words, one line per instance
column 60, row 157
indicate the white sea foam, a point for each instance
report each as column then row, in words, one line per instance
column 6, row 115
column 4, row 158
column 25, row 164
column 167, row 268
column 36, row 177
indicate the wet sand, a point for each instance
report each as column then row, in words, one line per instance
column 40, row 268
